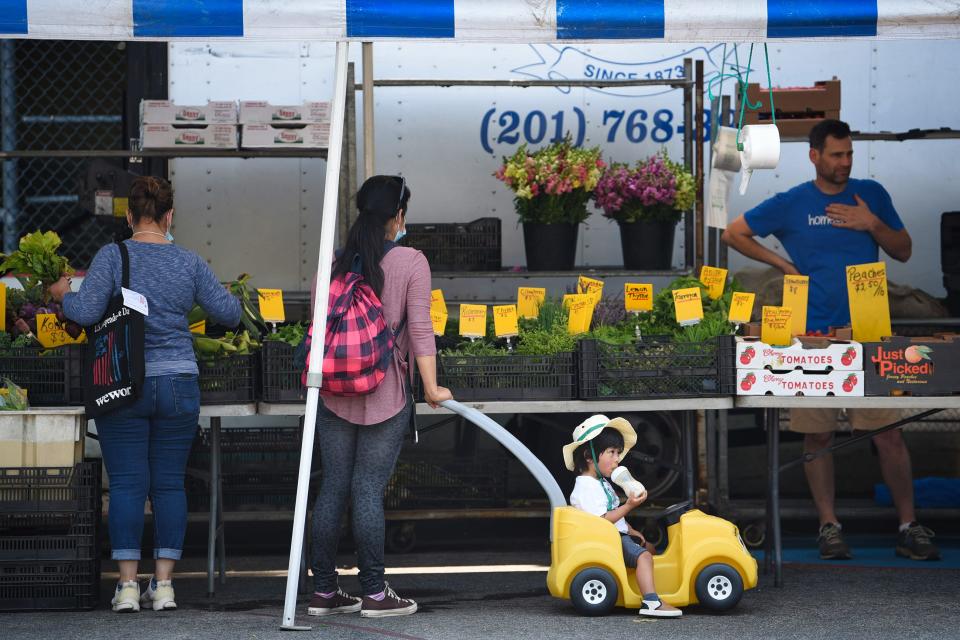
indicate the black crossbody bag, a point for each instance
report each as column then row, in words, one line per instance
column 113, row 364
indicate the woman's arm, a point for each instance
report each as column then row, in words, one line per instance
column 420, row 330
column 214, row 297
column 87, row 306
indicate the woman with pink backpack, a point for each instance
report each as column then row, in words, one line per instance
column 378, row 318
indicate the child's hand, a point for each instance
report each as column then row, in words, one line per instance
column 635, row 501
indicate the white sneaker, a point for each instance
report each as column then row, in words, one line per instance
column 159, row 595
column 126, row 599
column 658, row 609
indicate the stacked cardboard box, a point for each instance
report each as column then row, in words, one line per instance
column 913, row 366
column 808, row 367
column 798, row 109
column 166, row 125
column 268, row 126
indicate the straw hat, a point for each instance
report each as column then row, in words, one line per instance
column 591, row 428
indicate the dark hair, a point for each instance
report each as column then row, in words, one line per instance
column 150, row 198
column 378, row 200
column 834, row 128
column 607, row 438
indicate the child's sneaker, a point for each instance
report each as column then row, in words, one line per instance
column 390, row 605
column 658, row 609
column 126, row 599
column 159, row 595
column 339, row 602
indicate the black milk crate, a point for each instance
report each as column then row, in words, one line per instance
column 49, row 585
column 230, row 380
column 448, row 485
column 458, row 246
column 50, row 489
column 657, row 367
column 281, row 374
column 52, row 377
column 48, row 523
column 263, row 490
column 508, row 377
column 246, row 447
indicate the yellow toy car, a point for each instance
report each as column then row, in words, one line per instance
column 705, row 561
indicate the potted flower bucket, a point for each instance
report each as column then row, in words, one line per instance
column 647, row 244
column 550, row 247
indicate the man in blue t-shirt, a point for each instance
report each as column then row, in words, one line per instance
column 826, row 225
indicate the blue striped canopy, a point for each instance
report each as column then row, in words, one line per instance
column 525, row 21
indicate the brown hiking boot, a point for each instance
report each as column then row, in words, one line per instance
column 915, row 543
column 391, row 605
column 339, row 602
column 832, row 546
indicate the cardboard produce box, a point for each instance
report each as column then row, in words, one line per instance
column 267, row 136
column 761, row 382
column 799, row 109
column 168, row 136
column 807, row 354
column 168, row 112
column 42, row 437
column 261, row 112
column 913, row 366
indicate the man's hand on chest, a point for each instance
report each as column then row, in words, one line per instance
column 857, row 217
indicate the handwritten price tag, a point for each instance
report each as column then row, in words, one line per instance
column 473, row 320
column 51, row 333
column 580, row 308
column 775, row 323
column 271, row 305
column 795, row 292
column 438, row 312
column 741, row 307
column 714, row 279
column 199, row 327
column 3, row 307
column 590, row 286
column 529, row 300
column 869, row 304
column 505, row 321
column 638, row 297
column 688, row 306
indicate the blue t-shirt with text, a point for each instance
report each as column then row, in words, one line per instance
column 798, row 219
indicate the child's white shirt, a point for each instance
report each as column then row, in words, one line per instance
column 588, row 495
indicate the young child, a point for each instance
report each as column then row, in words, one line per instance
column 598, row 445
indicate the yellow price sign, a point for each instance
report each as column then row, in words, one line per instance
column 473, row 320
column 580, row 311
column 199, row 327
column 438, row 317
column 638, row 297
column 714, row 279
column 271, row 304
column 590, row 286
column 529, row 300
column 795, row 292
column 120, row 206
column 741, row 307
column 775, row 325
column 505, row 321
column 3, row 307
column 436, row 299
column 869, row 302
column 51, row 333
column 688, row 306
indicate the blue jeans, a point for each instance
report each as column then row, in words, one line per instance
column 145, row 449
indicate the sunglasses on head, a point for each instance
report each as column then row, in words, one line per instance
column 403, row 188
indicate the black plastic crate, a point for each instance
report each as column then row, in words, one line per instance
column 657, row 367
column 246, row 447
column 458, row 246
column 249, row 491
column 281, row 374
column 49, row 585
column 26, row 490
column 448, row 485
column 507, row 377
column 52, row 377
column 47, row 523
column 15, row 550
column 231, row 380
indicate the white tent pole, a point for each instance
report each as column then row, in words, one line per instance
column 325, row 260
column 368, row 157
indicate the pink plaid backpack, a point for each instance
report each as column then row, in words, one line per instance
column 358, row 345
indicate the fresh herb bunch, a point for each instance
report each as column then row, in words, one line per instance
column 36, row 260
column 292, row 334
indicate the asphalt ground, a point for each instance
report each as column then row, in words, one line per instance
column 868, row 598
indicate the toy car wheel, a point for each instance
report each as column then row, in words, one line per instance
column 719, row 587
column 594, row 592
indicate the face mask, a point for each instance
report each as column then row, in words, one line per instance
column 400, row 233
column 168, row 235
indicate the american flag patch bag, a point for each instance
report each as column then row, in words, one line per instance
column 358, row 345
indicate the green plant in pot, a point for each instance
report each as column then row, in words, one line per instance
column 647, row 200
column 553, row 186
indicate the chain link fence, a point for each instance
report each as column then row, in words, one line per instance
column 58, row 95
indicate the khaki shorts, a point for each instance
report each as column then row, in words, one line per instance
column 825, row 420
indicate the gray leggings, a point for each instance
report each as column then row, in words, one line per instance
column 358, row 461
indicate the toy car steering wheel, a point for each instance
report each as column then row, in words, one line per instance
column 671, row 515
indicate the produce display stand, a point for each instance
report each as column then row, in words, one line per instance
column 772, row 405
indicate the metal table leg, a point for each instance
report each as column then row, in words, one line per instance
column 689, row 436
column 772, row 423
column 215, row 527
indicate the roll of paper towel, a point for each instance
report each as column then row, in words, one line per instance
column 725, row 154
column 761, row 150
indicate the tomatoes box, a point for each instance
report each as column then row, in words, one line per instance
column 913, row 366
column 805, row 354
column 763, row 382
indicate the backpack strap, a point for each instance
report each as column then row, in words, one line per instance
column 124, row 265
